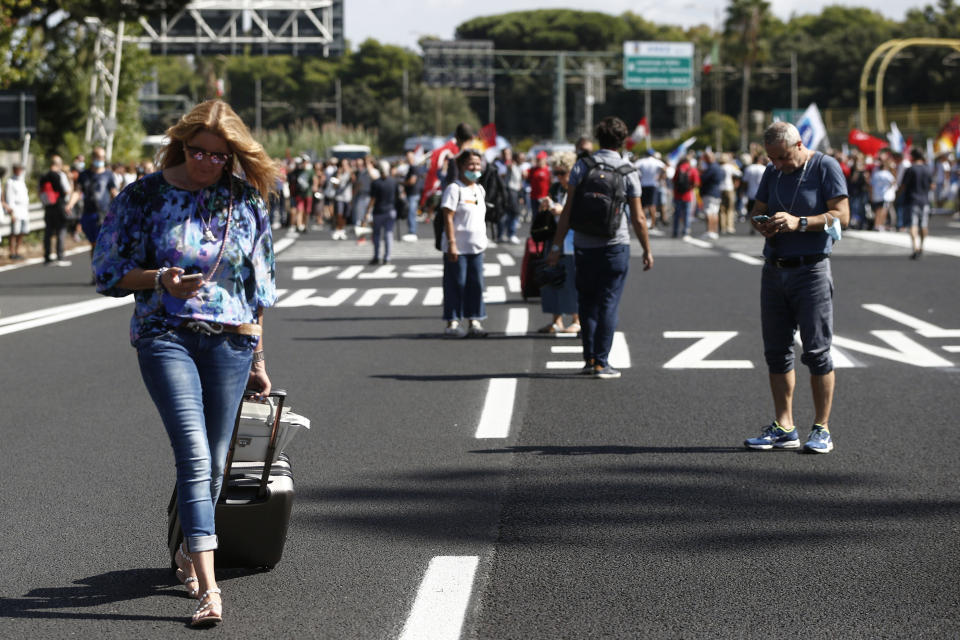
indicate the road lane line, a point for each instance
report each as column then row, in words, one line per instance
column 497, row 409
column 564, row 364
column 506, row 259
column 952, row 348
column 924, row 328
column 513, row 284
column 518, row 321
column 442, row 599
column 567, row 349
column 52, row 315
column 703, row 244
column 742, row 257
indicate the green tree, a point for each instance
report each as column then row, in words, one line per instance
column 746, row 23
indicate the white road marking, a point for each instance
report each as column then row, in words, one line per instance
column 513, row 284
column 694, row 356
column 433, row 297
column 309, row 273
column 506, row 259
column 518, row 321
column 384, row 272
column 703, row 244
column 567, row 349
column 32, row 261
column 952, row 348
column 402, row 296
column 840, row 359
column 349, row 272
column 564, row 364
column 947, row 246
column 283, row 244
column 442, row 599
column 619, row 352
column 497, row 409
column 904, row 349
column 742, row 257
column 24, row 321
column 305, row 298
column 496, row 294
column 924, row 328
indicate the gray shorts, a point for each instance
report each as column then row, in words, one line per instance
column 21, row 226
column 711, row 205
column 797, row 297
column 919, row 216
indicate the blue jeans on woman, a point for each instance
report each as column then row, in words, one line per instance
column 682, row 213
column 197, row 383
column 601, row 274
column 463, row 288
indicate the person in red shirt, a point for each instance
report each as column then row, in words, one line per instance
column 686, row 179
column 539, row 179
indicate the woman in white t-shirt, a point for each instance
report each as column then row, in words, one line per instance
column 465, row 237
column 883, row 192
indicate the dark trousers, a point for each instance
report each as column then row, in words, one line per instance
column 55, row 225
column 601, row 274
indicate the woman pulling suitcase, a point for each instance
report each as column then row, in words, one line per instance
column 192, row 243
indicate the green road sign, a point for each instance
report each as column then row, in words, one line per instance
column 657, row 65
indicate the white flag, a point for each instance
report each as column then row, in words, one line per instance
column 811, row 128
column 895, row 138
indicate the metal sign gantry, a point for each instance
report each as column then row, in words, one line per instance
column 269, row 27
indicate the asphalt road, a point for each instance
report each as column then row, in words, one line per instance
column 605, row 509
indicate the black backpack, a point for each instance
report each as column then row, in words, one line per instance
column 683, row 182
column 599, row 198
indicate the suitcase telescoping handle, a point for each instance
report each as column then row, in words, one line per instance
column 280, row 395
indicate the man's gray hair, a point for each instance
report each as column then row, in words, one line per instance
column 781, row 132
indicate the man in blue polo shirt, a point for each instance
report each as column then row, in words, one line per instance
column 800, row 207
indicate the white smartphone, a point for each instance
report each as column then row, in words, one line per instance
column 193, row 277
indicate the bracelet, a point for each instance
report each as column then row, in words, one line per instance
column 158, row 282
column 258, row 356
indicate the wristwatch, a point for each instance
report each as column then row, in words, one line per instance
column 803, row 224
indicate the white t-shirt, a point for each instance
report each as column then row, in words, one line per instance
column 730, row 171
column 751, row 178
column 883, row 187
column 469, row 217
column 649, row 169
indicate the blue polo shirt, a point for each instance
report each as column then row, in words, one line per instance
column 823, row 180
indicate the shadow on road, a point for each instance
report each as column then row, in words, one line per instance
column 109, row 588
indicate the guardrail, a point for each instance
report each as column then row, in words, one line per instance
column 36, row 221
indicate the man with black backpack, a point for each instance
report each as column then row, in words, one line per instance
column 603, row 188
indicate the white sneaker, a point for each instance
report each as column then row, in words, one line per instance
column 515, row 240
column 63, row 263
column 476, row 329
column 409, row 237
column 711, row 235
column 454, row 330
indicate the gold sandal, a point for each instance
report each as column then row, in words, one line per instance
column 208, row 613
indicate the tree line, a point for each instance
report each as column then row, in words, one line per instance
column 50, row 53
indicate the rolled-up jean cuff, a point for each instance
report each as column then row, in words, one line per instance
column 200, row 543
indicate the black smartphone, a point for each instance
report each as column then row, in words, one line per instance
column 761, row 219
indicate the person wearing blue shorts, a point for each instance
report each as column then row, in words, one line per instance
column 800, row 207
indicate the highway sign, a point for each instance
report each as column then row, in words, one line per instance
column 657, row 65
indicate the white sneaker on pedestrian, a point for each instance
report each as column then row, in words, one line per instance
column 63, row 263
column 476, row 329
column 454, row 330
column 409, row 237
column 515, row 240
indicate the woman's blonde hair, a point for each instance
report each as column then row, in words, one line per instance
column 216, row 117
column 563, row 160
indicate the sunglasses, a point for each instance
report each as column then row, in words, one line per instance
column 199, row 154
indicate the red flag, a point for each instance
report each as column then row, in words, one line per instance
column 488, row 135
column 865, row 142
column 438, row 157
column 949, row 135
column 641, row 132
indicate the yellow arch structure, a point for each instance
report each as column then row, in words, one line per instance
column 889, row 50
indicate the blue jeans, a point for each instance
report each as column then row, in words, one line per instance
column 682, row 213
column 197, row 383
column 463, row 288
column 383, row 229
column 413, row 203
column 601, row 274
column 797, row 297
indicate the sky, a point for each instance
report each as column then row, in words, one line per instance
column 403, row 22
